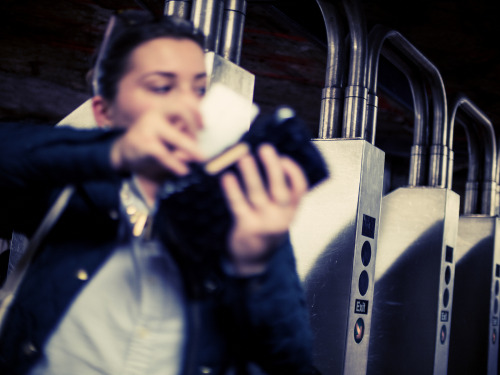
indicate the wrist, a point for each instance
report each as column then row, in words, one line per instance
column 250, row 256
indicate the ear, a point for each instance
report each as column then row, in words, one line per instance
column 102, row 111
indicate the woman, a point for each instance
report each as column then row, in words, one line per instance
column 101, row 296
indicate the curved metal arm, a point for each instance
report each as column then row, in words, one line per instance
column 419, row 157
column 439, row 150
column 376, row 39
column 471, row 193
column 332, row 97
column 356, row 93
column 497, row 179
column 485, row 138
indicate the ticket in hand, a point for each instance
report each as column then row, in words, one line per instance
column 226, row 116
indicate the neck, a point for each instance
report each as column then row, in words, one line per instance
column 149, row 189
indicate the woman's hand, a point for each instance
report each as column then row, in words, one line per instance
column 262, row 216
column 156, row 145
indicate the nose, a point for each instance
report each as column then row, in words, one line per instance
column 185, row 114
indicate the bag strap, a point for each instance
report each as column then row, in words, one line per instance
column 14, row 279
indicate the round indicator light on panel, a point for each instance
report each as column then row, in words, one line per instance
column 359, row 330
column 442, row 334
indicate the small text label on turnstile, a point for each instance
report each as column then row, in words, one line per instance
column 361, row 306
column 494, row 321
column 444, row 316
column 368, row 229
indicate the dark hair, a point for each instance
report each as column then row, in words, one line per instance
column 126, row 31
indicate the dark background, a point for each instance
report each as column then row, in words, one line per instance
column 46, row 48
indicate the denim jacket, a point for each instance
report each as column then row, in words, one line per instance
column 232, row 321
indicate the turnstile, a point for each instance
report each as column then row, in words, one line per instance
column 413, row 282
column 335, row 232
column 474, row 322
column 335, row 239
column 418, row 229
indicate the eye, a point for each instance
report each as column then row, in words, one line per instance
column 161, row 89
column 200, row 91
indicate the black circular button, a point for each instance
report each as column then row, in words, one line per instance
column 366, row 253
column 447, row 275
column 446, row 297
column 359, row 330
column 363, row 283
column 496, row 287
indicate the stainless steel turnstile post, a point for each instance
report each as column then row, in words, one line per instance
column 418, row 229
column 335, row 232
column 474, row 322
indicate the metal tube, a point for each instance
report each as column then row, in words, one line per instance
column 419, row 151
column 486, row 145
column 232, row 29
column 207, row 16
column 332, row 99
column 356, row 93
column 419, row 156
column 178, row 8
column 471, row 194
column 439, row 149
column 377, row 37
column 497, row 179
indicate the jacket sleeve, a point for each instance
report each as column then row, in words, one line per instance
column 274, row 328
column 36, row 160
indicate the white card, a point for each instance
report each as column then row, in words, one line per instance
column 226, row 117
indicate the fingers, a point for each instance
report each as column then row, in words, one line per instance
column 256, row 191
column 263, row 207
column 154, row 147
column 295, row 178
column 286, row 182
column 186, row 120
column 236, row 198
column 179, row 143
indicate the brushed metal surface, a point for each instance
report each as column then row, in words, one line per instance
column 418, row 228
column 233, row 25
column 206, row 15
column 179, row 8
column 327, row 236
column 474, row 324
column 228, row 73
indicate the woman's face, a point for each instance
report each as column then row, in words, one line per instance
column 164, row 75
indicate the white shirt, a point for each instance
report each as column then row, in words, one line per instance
column 129, row 319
